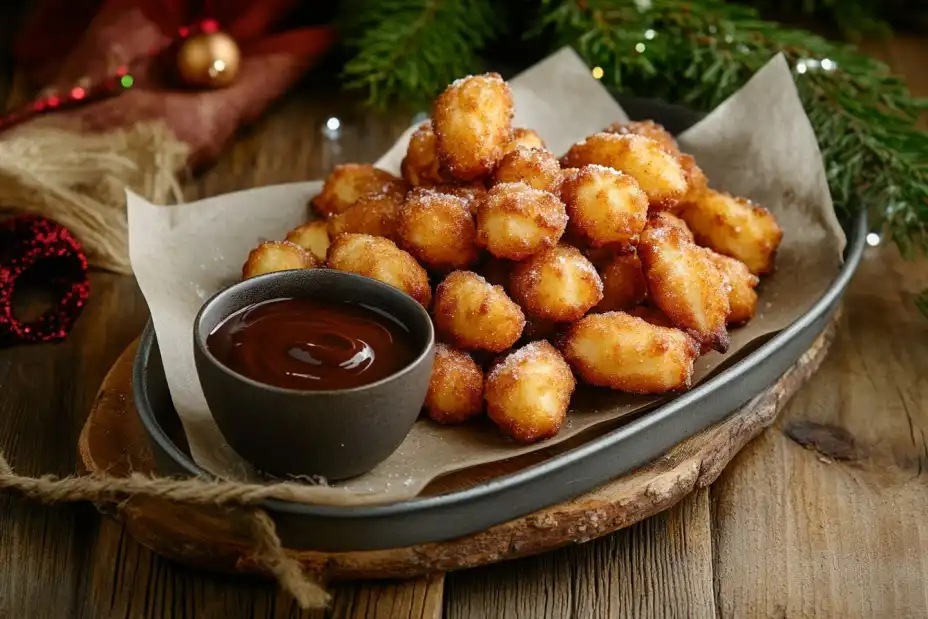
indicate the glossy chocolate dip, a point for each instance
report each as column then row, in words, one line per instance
column 312, row 345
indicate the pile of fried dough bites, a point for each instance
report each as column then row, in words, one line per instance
column 616, row 263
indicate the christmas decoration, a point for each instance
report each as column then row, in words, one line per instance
column 694, row 52
column 209, row 59
column 30, row 244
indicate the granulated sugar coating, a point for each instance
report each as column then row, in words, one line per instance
column 535, row 167
column 558, row 284
column 438, row 230
column 380, row 259
column 604, row 205
column 528, row 392
column 456, row 388
column 472, row 314
column 515, row 221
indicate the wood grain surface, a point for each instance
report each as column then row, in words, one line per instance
column 823, row 515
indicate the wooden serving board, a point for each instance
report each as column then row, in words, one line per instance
column 113, row 442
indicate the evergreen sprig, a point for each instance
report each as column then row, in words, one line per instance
column 411, row 49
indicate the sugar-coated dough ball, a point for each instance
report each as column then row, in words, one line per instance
column 695, row 179
column 349, row 181
column 735, row 227
column 624, row 285
column 438, row 230
column 685, row 284
column 313, row 237
column 741, row 295
column 380, row 259
column 376, row 214
column 473, row 192
column 472, row 120
column 623, row 352
column 528, row 392
column 652, row 315
column 557, row 284
column 515, row 221
column 528, row 138
column 533, row 166
column 456, row 388
column 421, row 166
column 665, row 218
column 604, row 205
column 272, row 256
column 472, row 314
column 647, row 128
column 657, row 170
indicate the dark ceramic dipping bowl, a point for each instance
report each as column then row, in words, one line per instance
column 336, row 434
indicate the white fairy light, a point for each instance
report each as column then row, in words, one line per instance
column 873, row 239
column 333, row 124
column 828, row 64
column 649, row 34
column 640, row 48
column 801, row 68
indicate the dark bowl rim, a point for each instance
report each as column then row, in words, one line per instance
column 857, row 229
column 199, row 340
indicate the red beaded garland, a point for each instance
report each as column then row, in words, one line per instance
column 25, row 242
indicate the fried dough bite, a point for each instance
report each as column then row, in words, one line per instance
column 657, row 171
column 685, row 284
column 349, row 181
column 735, row 227
column 272, row 256
column 313, row 237
column 456, row 388
column 647, row 128
column 667, row 219
column 604, row 205
column 515, row 221
column 695, row 179
column 623, row 352
column 624, row 285
column 380, row 259
column 472, row 192
column 557, row 284
column 528, row 392
column 533, row 166
column 438, row 230
column 652, row 315
column 472, row 120
column 420, row 166
column 376, row 214
column 472, row 314
column 528, row 138
column 741, row 295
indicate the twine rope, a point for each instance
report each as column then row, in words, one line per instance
column 269, row 552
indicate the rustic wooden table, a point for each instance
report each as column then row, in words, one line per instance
column 837, row 530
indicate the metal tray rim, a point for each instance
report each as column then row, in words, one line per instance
column 534, row 473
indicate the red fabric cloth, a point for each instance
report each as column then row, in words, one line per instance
column 70, row 40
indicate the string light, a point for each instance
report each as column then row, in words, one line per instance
column 332, row 124
column 649, row 34
column 828, row 64
column 598, row 73
column 640, row 48
column 873, row 239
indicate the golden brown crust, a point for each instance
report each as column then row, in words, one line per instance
column 349, row 181
column 528, row 138
column 604, row 205
column 380, row 259
column 685, row 284
column 312, row 236
column 533, row 166
column 472, row 120
column 735, row 227
column 741, row 297
column 624, row 285
column 472, row 192
column 528, row 392
column 455, row 392
column 438, row 230
column 558, row 284
column 515, row 221
column 696, row 181
column 421, row 166
column 472, row 314
column 657, row 171
column 652, row 315
column 273, row 256
column 666, row 218
column 620, row 351
column 376, row 214
column 647, row 128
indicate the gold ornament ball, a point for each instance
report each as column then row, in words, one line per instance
column 209, row 60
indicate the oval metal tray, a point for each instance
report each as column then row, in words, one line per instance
column 560, row 478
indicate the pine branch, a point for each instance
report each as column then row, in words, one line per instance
column 409, row 50
column 699, row 53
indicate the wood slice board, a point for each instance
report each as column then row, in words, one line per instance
column 113, row 442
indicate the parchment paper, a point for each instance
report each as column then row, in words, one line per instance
column 758, row 144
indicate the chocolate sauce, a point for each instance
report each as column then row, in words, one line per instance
column 312, row 345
